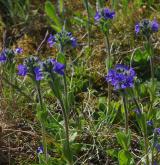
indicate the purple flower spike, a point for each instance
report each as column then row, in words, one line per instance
column 121, row 77
column 51, row 40
column 38, row 73
column 137, row 28
column 40, row 150
column 59, row 68
column 108, row 14
column 22, row 70
column 154, row 26
column 18, row 51
column 97, row 17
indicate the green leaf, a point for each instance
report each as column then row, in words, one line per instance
column 67, row 154
column 41, row 113
column 51, row 13
column 61, row 58
column 140, row 56
column 158, row 115
column 56, row 28
column 102, row 104
column 142, row 122
column 125, row 158
column 124, row 140
column 113, row 153
column 79, row 21
column 61, row 6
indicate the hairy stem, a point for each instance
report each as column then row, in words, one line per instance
column 125, row 111
column 107, row 44
column 64, row 106
column 41, row 122
column 88, row 22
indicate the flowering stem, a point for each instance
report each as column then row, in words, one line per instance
column 41, row 122
column 135, row 101
column 149, row 45
column 107, row 44
column 152, row 70
column 66, row 110
column 125, row 110
column 88, row 22
column 64, row 106
column 151, row 61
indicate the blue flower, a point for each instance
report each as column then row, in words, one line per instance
column 18, row 51
column 121, row 77
column 105, row 14
column 22, row 70
column 150, row 123
column 154, row 26
column 147, row 27
column 63, row 39
column 40, row 150
column 3, row 57
column 73, row 42
column 108, row 14
column 72, row 39
column 51, row 40
column 97, row 17
column 38, row 73
column 137, row 28
column 59, row 68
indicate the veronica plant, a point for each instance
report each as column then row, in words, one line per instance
column 122, row 79
column 146, row 28
column 104, row 17
column 55, row 72
column 7, row 61
column 62, row 40
column 31, row 67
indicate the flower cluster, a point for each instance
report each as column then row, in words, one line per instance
column 146, row 27
column 51, row 65
column 34, row 68
column 121, row 77
column 105, row 14
column 7, row 55
column 62, row 38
